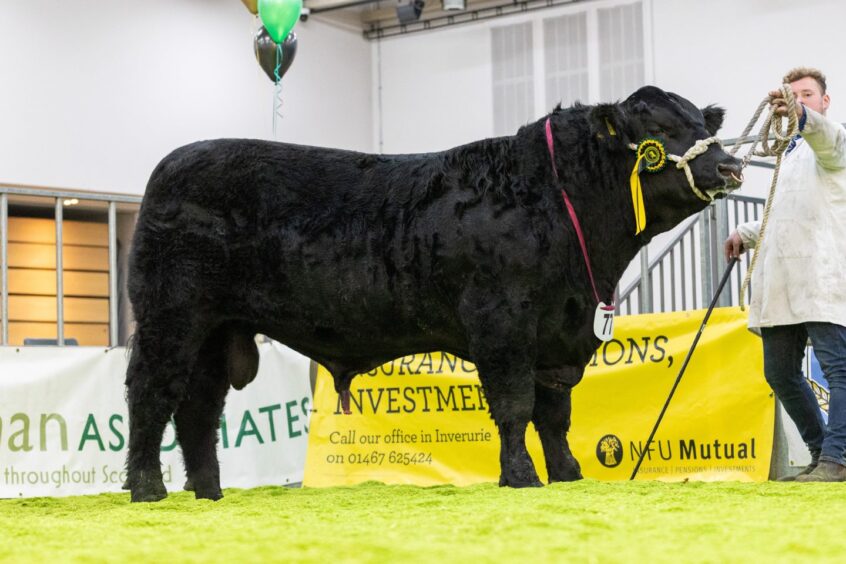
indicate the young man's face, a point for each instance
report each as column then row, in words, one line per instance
column 807, row 91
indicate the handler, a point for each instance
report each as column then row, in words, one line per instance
column 799, row 284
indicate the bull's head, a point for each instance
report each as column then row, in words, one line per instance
column 670, row 146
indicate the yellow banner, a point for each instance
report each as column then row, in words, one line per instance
column 423, row 419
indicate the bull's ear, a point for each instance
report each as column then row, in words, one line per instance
column 713, row 118
column 608, row 124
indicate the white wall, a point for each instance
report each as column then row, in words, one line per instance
column 436, row 89
column 733, row 52
column 95, row 93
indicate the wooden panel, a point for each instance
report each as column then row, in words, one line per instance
column 32, row 255
column 43, row 308
column 43, row 283
column 87, row 334
column 90, row 284
column 35, row 230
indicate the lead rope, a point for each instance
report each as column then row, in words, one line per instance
column 773, row 124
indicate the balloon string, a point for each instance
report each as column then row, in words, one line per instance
column 279, row 56
column 277, row 106
column 277, row 98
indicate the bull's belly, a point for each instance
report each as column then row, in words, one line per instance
column 359, row 349
column 356, row 328
column 367, row 342
column 371, row 327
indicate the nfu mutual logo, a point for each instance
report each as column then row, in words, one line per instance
column 609, row 451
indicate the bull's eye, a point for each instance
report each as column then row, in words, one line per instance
column 652, row 155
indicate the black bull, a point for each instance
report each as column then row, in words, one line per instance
column 355, row 259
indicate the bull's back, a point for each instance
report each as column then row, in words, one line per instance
column 278, row 230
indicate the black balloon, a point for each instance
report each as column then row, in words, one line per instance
column 265, row 49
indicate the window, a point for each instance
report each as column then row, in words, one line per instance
column 620, row 31
column 566, row 59
column 589, row 54
column 513, row 77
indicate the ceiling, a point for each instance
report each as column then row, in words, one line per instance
column 378, row 18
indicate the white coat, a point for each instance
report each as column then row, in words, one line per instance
column 800, row 274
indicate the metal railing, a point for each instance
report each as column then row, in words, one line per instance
column 684, row 275
column 27, row 196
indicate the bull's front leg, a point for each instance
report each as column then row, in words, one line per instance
column 503, row 348
column 509, row 390
column 551, row 418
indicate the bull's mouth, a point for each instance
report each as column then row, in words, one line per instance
column 731, row 182
column 734, row 180
column 732, row 175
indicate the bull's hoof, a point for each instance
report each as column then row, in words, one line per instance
column 147, row 487
column 568, row 471
column 189, row 485
column 573, row 477
column 517, row 471
column 205, row 487
column 213, row 495
column 514, row 483
column 523, row 476
column 148, row 495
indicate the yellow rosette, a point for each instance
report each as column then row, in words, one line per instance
column 652, row 157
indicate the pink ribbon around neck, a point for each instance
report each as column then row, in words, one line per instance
column 573, row 217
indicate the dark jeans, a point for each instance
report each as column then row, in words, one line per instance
column 784, row 349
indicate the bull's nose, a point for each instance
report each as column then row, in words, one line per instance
column 732, row 172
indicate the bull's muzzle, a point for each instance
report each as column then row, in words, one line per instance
column 732, row 172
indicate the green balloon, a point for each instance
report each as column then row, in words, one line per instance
column 279, row 16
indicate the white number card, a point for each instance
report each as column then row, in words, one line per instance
column 603, row 322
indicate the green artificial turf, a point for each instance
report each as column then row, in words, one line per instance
column 587, row 521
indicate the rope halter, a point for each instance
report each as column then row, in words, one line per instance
column 697, row 149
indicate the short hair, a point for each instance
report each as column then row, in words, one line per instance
column 802, row 72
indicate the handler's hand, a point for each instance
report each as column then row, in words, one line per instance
column 734, row 246
column 779, row 104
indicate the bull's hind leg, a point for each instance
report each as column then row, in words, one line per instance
column 197, row 418
column 503, row 347
column 163, row 356
column 551, row 418
column 156, row 381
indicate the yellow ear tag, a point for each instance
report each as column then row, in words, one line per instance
column 651, row 157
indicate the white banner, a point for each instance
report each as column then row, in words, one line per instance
column 64, row 431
